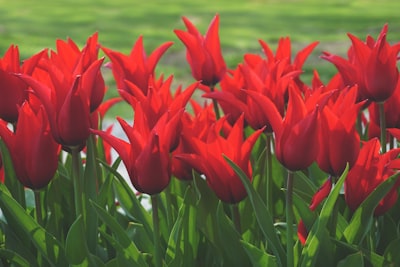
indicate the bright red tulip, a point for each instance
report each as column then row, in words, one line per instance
column 339, row 142
column 372, row 65
column 204, row 52
column 136, row 67
column 147, row 155
column 13, row 91
column 369, row 171
column 33, row 150
column 208, row 159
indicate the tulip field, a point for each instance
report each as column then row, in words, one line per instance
column 265, row 139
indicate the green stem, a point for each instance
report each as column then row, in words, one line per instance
column 156, row 231
column 382, row 121
column 289, row 220
column 334, row 212
column 168, row 203
column 215, row 104
column 269, row 181
column 77, row 181
column 38, row 207
column 236, row 218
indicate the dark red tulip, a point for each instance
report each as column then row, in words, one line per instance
column 13, row 91
column 147, row 155
column 339, row 142
column 372, row 65
column 33, row 150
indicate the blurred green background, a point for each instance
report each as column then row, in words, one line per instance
column 34, row 25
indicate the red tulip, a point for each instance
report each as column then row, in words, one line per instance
column 369, row 171
column 192, row 126
column 147, row 155
column 136, row 67
column 66, row 99
column 69, row 59
column 208, row 159
column 296, row 134
column 204, row 52
column 339, row 142
column 372, row 65
column 33, row 150
column 13, row 91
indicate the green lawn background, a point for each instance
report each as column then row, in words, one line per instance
column 34, row 25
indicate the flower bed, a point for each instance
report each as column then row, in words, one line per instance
column 264, row 170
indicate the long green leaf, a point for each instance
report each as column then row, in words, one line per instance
column 318, row 231
column 362, row 219
column 263, row 216
column 46, row 243
column 125, row 247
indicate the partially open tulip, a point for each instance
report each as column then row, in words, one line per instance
column 369, row 171
column 372, row 65
column 136, row 68
column 147, row 155
column 204, row 52
column 33, row 150
column 207, row 158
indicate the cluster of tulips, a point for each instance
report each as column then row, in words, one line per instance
column 264, row 170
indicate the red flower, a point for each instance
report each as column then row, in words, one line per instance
column 391, row 114
column 372, row 65
column 204, row 52
column 208, row 159
column 136, row 67
column 370, row 170
column 338, row 138
column 67, row 96
column 13, row 91
column 147, row 155
column 296, row 134
column 33, row 151
column 192, row 126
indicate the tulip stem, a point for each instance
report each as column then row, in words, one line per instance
column 269, row 174
column 38, row 206
column 215, row 104
column 334, row 212
column 156, row 231
column 289, row 220
column 382, row 122
column 77, row 181
column 236, row 218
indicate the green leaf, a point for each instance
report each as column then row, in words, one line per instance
column 392, row 252
column 184, row 237
column 234, row 252
column 130, row 202
column 13, row 258
column 124, row 246
column 264, row 218
column 75, row 245
column 46, row 243
column 353, row 260
column 318, row 232
column 258, row 257
column 362, row 219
